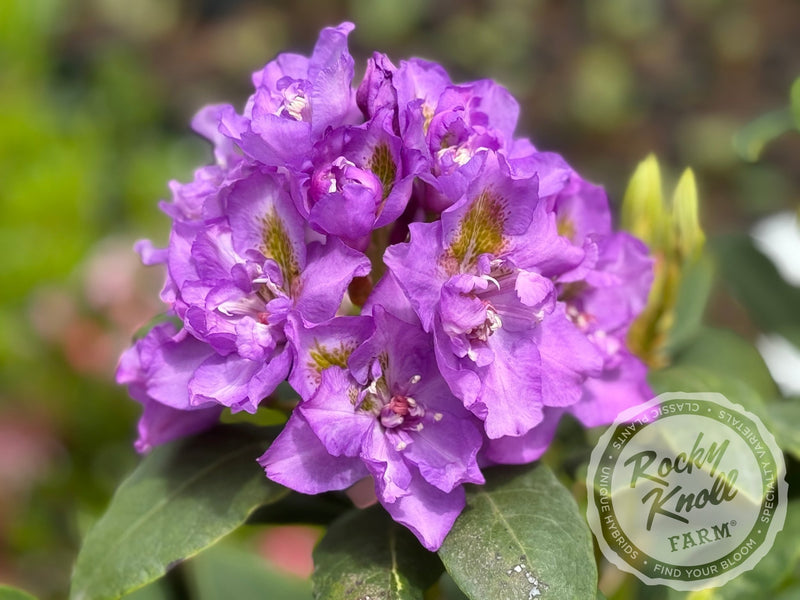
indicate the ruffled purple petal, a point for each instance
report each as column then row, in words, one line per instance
column 318, row 347
column 160, row 424
column 376, row 91
column 427, row 511
column 415, row 266
column 388, row 294
column 567, row 359
column 298, row 460
column 527, row 447
column 206, row 123
column 331, row 71
column 263, row 218
column 237, row 382
column 323, row 282
column 445, row 449
column 513, row 386
column 159, row 366
column 616, row 390
column 332, row 414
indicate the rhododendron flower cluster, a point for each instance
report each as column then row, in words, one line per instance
column 437, row 291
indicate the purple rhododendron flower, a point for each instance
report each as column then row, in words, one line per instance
column 438, row 292
column 391, row 413
column 481, row 280
column 157, row 370
column 238, row 274
column 452, row 124
column 296, row 100
column 603, row 296
column 360, row 180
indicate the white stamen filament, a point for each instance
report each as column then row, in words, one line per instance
column 581, row 319
column 495, row 322
column 295, row 106
column 373, row 387
column 271, row 286
column 493, row 280
column 243, row 306
column 462, row 156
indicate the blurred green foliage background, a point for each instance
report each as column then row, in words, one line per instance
column 95, row 100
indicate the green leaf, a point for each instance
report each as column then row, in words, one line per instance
column 780, row 418
column 227, row 571
column 154, row 322
column 447, row 589
column 750, row 140
column 685, row 378
column 695, row 289
column 753, row 279
column 182, row 498
column 728, row 355
column 521, row 534
column 156, row 590
column 319, row 509
column 9, row 593
column 263, row 417
column 365, row 554
column 794, row 95
column 784, row 422
column 770, row 574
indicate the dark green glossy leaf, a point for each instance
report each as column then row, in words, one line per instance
column 521, row 536
column 365, row 554
column 726, row 354
column 753, row 279
column 319, row 509
column 182, row 498
column 9, row 593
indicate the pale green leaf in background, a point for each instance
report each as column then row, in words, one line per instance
column 794, row 95
column 723, row 352
column 227, row 571
column 755, row 281
column 784, row 421
column 9, row 593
